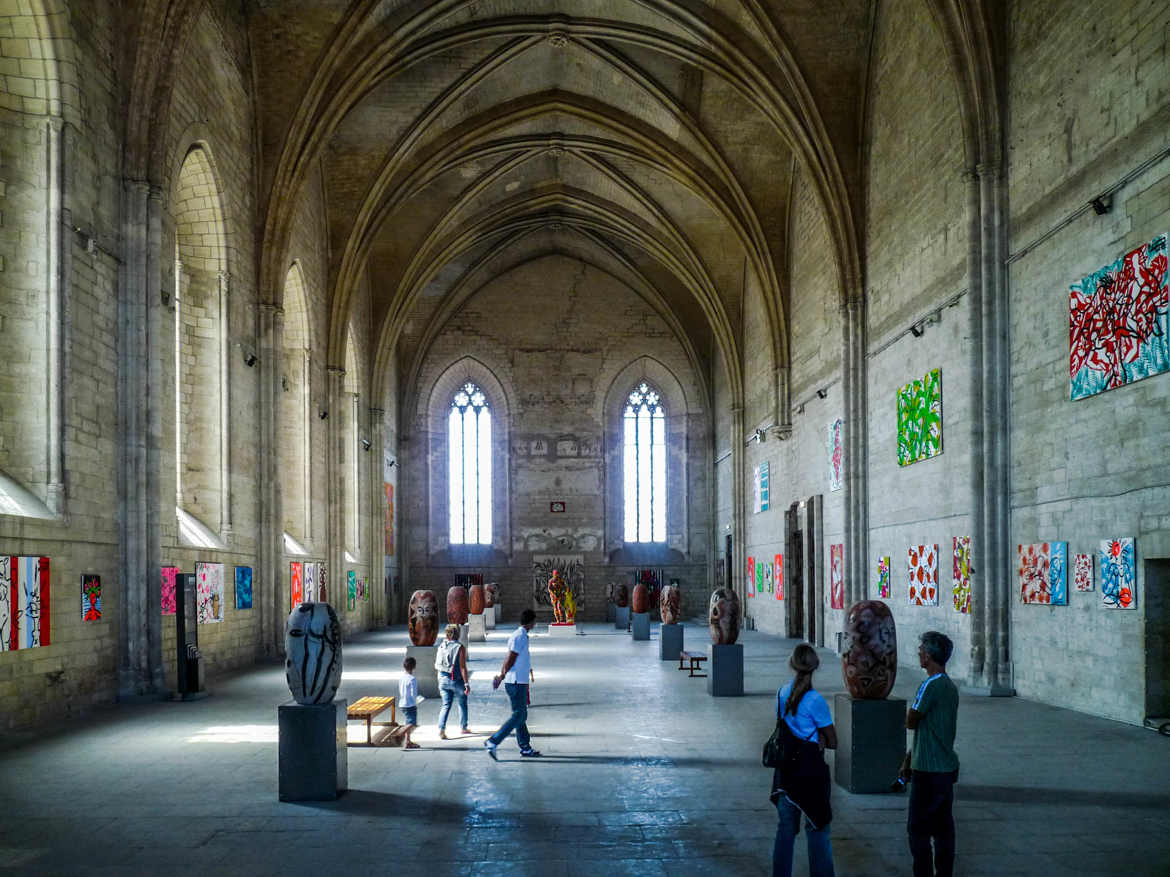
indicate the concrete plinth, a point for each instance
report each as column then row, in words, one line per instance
column 725, row 670
column 489, row 617
column 477, row 628
column 555, row 629
column 670, row 641
column 871, row 742
column 464, row 634
column 313, row 757
column 425, row 672
column 610, row 611
column 499, row 614
column 621, row 617
column 641, row 625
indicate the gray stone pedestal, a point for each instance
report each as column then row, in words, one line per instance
column 464, row 635
column 425, row 672
column 621, row 617
column 477, row 628
column 641, row 625
column 670, row 641
column 725, row 670
column 610, row 611
column 871, row 742
column 313, row 763
column 555, row 629
column 489, row 617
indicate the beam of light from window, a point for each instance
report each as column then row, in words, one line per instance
column 485, row 477
column 658, row 477
column 630, row 475
column 455, row 475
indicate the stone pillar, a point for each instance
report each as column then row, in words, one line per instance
column 59, row 276
column 380, row 613
column 270, row 535
column 856, row 416
column 225, row 409
column 738, row 508
column 335, row 477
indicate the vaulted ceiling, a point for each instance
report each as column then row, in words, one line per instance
column 654, row 139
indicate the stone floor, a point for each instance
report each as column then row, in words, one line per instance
column 643, row 773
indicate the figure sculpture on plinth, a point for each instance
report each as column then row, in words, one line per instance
column 457, row 609
column 669, row 604
column 869, row 650
column 423, row 623
column 312, row 648
column 724, row 617
column 556, row 594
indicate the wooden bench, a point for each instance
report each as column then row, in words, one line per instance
column 368, row 707
column 696, row 660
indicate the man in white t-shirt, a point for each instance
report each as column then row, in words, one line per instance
column 515, row 673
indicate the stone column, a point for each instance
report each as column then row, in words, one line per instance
column 378, row 516
column 225, row 408
column 270, row 535
column 59, row 276
column 854, row 374
column 738, row 507
column 335, row 532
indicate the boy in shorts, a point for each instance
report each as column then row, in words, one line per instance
column 408, row 702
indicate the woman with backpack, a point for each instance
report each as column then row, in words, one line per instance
column 454, row 680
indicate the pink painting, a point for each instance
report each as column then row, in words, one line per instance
column 751, row 590
column 836, row 453
column 922, row 572
column 837, row 576
column 168, row 589
column 1083, row 572
column 1041, row 569
column 209, row 592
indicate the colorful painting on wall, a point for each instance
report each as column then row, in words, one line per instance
column 168, row 589
column 920, row 419
column 836, row 453
column 243, row 587
column 884, row 578
column 1117, row 322
column 209, row 592
column 296, row 584
column 309, row 576
column 24, row 603
column 1043, row 573
column 769, row 581
column 1118, row 574
column 961, row 581
column 351, row 589
column 779, row 566
column 836, row 576
column 91, row 597
column 389, row 518
column 922, row 572
column 751, row 576
column 1083, row 572
column 761, row 487
column 322, row 592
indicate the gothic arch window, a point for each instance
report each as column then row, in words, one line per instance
column 469, row 472
column 644, row 465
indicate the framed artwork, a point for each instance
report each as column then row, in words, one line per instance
column 296, row 588
column 759, row 576
column 1083, row 572
column 961, row 581
column 751, row 577
column 922, row 573
column 243, row 587
column 24, row 603
column 351, row 589
column 884, row 578
column 769, row 582
column 209, row 592
column 836, row 453
column 836, row 576
column 91, row 597
column 778, row 565
column 168, row 589
column 761, row 487
column 920, row 419
column 1117, row 322
column 322, row 591
column 309, row 575
column 1043, row 573
column 1119, row 574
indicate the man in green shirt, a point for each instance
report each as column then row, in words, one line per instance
column 933, row 762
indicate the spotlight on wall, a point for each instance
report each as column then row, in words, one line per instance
column 322, row 413
column 1102, row 204
column 365, row 444
column 917, row 329
column 822, row 392
column 250, row 358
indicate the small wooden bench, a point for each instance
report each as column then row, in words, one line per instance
column 696, row 660
column 368, row 707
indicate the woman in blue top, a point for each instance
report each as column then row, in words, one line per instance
column 800, row 785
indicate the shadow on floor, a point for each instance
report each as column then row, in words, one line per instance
column 1088, row 797
column 384, row 805
column 631, row 760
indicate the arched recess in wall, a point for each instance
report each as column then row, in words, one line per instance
column 39, row 94
column 434, row 411
column 202, row 457
column 295, row 410
column 648, row 370
column 351, row 456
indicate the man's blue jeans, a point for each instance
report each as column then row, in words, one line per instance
column 820, row 848
column 518, row 695
column 452, row 691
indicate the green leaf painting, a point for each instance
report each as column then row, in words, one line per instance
column 920, row 419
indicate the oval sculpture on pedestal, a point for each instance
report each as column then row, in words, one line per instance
column 641, row 601
column 869, row 656
column 312, row 650
column 424, row 618
column 475, row 599
column 621, row 595
column 457, row 605
column 724, row 617
column 491, row 593
column 669, row 602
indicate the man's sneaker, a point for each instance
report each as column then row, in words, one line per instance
column 491, row 749
column 529, row 753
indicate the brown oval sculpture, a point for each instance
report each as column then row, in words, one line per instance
column 869, row 656
column 457, row 605
column 424, row 618
column 475, row 599
column 724, row 617
column 641, row 601
column 621, row 595
column 668, row 604
column 491, row 593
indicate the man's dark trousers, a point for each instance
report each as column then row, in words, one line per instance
column 931, row 797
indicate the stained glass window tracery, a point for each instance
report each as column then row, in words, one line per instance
column 644, row 465
column 469, row 433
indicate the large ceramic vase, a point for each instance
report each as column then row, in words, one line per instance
column 641, row 601
column 621, row 595
column 457, row 605
column 475, row 599
column 424, row 618
column 869, row 656
column 312, row 649
column 669, row 602
column 491, row 593
column 724, row 617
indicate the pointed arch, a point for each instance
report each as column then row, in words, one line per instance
column 295, row 414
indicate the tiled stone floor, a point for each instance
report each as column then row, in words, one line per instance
column 643, row 773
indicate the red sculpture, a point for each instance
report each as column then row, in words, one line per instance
column 423, row 624
column 556, row 594
column 621, row 595
column 669, row 603
column 724, row 617
column 491, row 593
column 476, row 599
column 457, row 605
column 641, row 598
column 869, row 657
